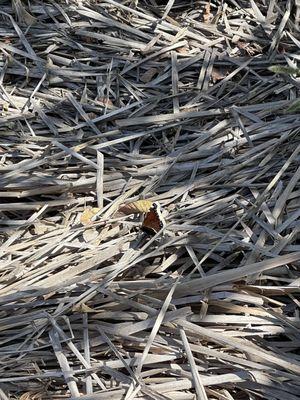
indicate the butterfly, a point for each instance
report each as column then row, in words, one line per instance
column 153, row 221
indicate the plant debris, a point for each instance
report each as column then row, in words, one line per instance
column 191, row 104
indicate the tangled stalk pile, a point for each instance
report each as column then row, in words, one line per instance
column 191, row 104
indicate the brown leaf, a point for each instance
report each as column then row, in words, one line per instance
column 88, row 214
column 207, row 15
column 137, row 207
column 82, row 308
column 148, row 75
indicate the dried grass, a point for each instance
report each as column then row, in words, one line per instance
column 192, row 104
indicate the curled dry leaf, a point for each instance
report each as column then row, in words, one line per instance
column 40, row 228
column 88, row 214
column 148, row 75
column 90, row 234
column 207, row 15
column 83, row 308
column 217, row 75
column 105, row 102
column 136, row 207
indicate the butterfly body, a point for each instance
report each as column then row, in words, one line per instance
column 153, row 221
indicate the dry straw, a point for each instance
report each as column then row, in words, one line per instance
column 189, row 103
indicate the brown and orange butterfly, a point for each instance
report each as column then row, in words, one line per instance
column 153, row 221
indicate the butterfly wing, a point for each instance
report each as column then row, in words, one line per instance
column 153, row 221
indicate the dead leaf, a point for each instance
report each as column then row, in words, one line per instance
column 105, row 102
column 207, row 15
column 90, row 234
column 148, row 75
column 217, row 75
column 136, row 207
column 88, row 214
column 83, row 308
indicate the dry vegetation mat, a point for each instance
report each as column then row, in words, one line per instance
column 192, row 105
